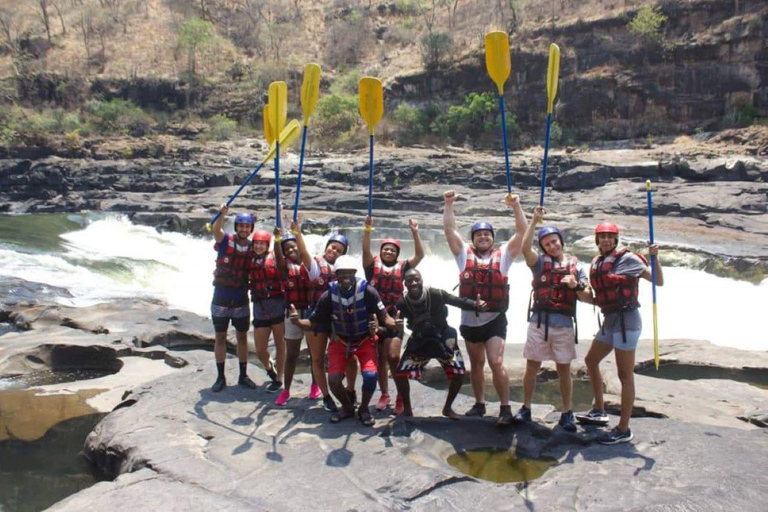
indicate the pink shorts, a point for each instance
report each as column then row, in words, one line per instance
column 365, row 353
column 560, row 347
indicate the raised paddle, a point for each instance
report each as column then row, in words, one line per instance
column 653, row 277
column 553, row 72
column 498, row 62
column 289, row 134
column 310, row 91
column 278, row 112
column 268, row 133
column 371, row 98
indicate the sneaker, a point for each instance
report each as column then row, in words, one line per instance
column 274, row 386
column 505, row 416
column 283, row 397
column 477, row 410
column 567, row 421
column 593, row 417
column 615, row 436
column 329, row 405
column 383, row 402
column 271, row 371
column 220, row 384
column 352, row 396
column 522, row 415
column 245, row 382
column 399, row 406
column 314, row 392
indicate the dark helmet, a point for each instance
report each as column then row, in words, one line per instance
column 392, row 241
column 338, row 237
column 288, row 237
column 479, row 226
column 549, row 230
column 607, row 227
column 244, row 218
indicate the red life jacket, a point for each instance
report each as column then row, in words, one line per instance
column 265, row 279
column 298, row 289
column 232, row 263
column 388, row 281
column 321, row 284
column 613, row 292
column 548, row 293
column 484, row 278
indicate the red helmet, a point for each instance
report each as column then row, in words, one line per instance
column 392, row 241
column 262, row 235
column 607, row 227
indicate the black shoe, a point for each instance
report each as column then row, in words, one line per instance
column 274, row 386
column 523, row 415
column 329, row 405
column 352, row 396
column 220, row 384
column 567, row 421
column 245, row 382
column 615, row 436
column 593, row 417
column 271, row 371
column 505, row 416
column 477, row 410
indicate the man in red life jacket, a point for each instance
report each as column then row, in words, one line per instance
column 483, row 275
column 385, row 273
column 557, row 283
column 614, row 276
column 230, row 293
column 266, row 284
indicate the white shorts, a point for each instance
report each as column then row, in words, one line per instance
column 560, row 348
column 292, row 331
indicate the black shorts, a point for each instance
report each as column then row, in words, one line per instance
column 482, row 333
column 222, row 311
column 386, row 334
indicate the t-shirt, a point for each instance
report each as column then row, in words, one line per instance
column 432, row 322
column 323, row 312
column 226, row 294
column 556, row 319
column 471, row 318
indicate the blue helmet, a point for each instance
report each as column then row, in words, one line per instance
column 244, row 218
column 338, row 237
column 480, row 226
column 550, row 230
column 288, row 237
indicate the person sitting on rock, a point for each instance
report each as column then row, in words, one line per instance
column 268, row 299
column 483, row 273
column 230, row 293
column 557, row 284
column 349, row 309
column 425, row 309
column 293, row 260
column 385, row 273
column 614, row 277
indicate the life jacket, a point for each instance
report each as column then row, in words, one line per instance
column 265, row 279
column 350, row 316
column 388, row 281
column 484, row 278
column 323, row 282
column 548, row 293
column 232, row 263
column 613, row 292
column 298, row 289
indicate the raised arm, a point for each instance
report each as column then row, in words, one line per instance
column 455, row 242
column 531, row 258
column 515, row 243
column 278, row 249
column 418, row 249
column 306, row 258
column 217, row 230
column 367, row 254
column 653, row 250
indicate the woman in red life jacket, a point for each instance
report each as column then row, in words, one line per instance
column 385, row 273
column 614, row 276
column 293, row 260
column 230, row 293
column 558, row 283
column 483, row 275
column 266, row 284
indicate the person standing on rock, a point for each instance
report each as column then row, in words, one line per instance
column 385, row 273
column 425, row 309
column 268, row 299
column 293, row 260
column 614, row 276
column 230, row 293
column 483, row 274
column 350, row 310
column 558, row 283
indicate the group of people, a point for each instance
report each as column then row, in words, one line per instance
column 358, row 323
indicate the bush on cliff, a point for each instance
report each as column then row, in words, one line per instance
column 119, row 116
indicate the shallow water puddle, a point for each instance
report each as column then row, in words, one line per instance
column 500, row 466
column 49, row 377
column 680, row 371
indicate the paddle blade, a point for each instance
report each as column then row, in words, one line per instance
column 553, row 73
column 278, row 106
column 371, row 101
column 268, row 133
column 647, row 184
column 310, row 90
column 498, row 60
column 287, row 137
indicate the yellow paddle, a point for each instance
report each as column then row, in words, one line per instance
column 498, row 62
column 371, row 99
column 278, row 112
column 310, row 92
column 653, row 277
column 553, row 72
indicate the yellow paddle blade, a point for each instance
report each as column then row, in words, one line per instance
column 287, row 137
column 647, row 184
column 371, row 101
column 268, row 133
column 498, row 61
column 553, row 73
column 278, row 105
column 310, row 90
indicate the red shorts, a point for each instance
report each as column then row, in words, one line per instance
column 337, row 356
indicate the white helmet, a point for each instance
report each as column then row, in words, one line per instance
column 345, row 262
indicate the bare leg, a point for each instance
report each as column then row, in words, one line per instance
column 476, row 353
column 381, row 363
column 404, row 392
column 494, row 349
column 337, row 386
column 597, row 352
column 351, row 373
column 566, row 385
column 529, row 381
column 453, row 390
column 261, row 339
column 278, row 334
column 317, row 346
column 292, row 356
column 242, row 346
column 625, row 363
column 393, row 357
column 220, row 347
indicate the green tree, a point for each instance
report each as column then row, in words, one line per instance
column 336, row 114
column 478, row 116
column 434, row 49
column 193, row 34
column 647, row 23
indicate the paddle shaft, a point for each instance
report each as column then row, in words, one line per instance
column 653, row 280
column 504, row 136
column 237, row 192
column 301, row 169
column 546, row 155
column 370, row 177
column 278, row 221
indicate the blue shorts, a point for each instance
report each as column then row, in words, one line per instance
column 611, row 331
column 268, row 312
